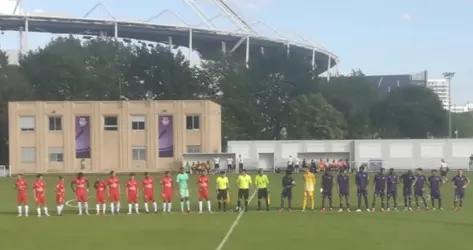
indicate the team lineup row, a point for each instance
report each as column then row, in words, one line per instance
column 385, row 190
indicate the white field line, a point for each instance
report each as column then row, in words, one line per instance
column 235, row 223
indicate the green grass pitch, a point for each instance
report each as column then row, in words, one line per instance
column 256, row 230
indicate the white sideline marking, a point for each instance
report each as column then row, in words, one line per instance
column 235, row 223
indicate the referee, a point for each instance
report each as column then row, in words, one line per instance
column 222, row 191
column 244, row 183
column 261, row 183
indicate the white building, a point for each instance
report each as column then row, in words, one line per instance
column 440, row 88
column 462, row 108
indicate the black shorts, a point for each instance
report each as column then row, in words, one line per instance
column 407, row 191
column 443, row 173
column 217, row 166
column 262, row 193
column 379, row 193
column 222, row 194
column 286, row 193
column 243, row 193
column 361, row 192
column 327, row 195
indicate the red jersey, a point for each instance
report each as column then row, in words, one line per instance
column 166, row 183
column 203, row 182
column 132, row 186
column 21, row 185
column 148, row 184
column 81, row 185
column 113, row 183
column 39, row 186
column 100, row 187
column 60, row 188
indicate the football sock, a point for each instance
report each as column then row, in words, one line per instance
column 209, row 206
column 440, row 203
column 200, row 206
column 146, row 208
column 97, row 207
column 182, row 206
column 129, row 208
column 118, row 207
column 26, row 210
column 164, row 207
column 46, row 211
column 20, row 210
column 38, row 210
column 155, row 206
column 104, row 208
column 188, row 204
column 137, row 208
column 259, row 204
column 79, row 206
column 304, row 202
column 312, row 203
column 219, row 205
column 112, row 208
column 86, row 208
column 169, row 207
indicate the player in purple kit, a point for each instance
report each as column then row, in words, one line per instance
column 419, row 185
column 361, row 181
column 435, row 182
column 327, row 185
column 407, row 183
column 460, row 182
column 379, row 189
column 343, row 181
column 391, row 185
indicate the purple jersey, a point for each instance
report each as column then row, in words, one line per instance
column 420, row 182
column 459, row 182
column 435, row 182
column 327, row 183
column 407, row 180
column 343, row 184
column 361, row 180
column 391, row 182
column 379, row 183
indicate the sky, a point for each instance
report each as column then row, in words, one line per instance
column 376, row 36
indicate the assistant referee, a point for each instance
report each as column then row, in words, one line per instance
column 222, row 191
column 244, row 182
column 261, row 183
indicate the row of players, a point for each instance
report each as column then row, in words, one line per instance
column 385, row 186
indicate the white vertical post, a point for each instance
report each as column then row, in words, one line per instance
column 170, row 42
column 262, row 50
column 288, row 48
column 247, row 51
column 116, row 31
column 329, row 66
column 224, row 47
column 190, row 47
column 313, row 59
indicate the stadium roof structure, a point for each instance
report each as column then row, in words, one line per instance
column 208, row 41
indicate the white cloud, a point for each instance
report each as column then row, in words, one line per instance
column 406, row 17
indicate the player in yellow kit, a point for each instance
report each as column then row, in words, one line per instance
column 309, row 188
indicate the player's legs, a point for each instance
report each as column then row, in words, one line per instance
column 358, row 196
column 373, row 204
column 365, row 197
column 246, row 196
column 304, row 200
column 382, row 201
column 312, row 200
column 239, row 197
column 347, row 202
column 260, row 197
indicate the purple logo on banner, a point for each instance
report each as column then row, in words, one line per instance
column 82, row 137
column 166, row 138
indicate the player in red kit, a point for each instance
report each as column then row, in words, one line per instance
column 60, row 195
column 80, row 186
column 39, row 191
column 113, row 183
column 100, row 187
column 21, row 187
column 148, row 193
column 203, row 183
column 132, row 194
column 166, row 191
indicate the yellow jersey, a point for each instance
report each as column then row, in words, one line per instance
column 244, row 181
column 222, row 183
column 261, row 181
column 309, row 182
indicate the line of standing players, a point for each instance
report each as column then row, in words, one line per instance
column 386, row 189
column 133, row 187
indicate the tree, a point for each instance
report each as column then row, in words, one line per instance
column 312, row 117
column 410, row 112
column 13, row 87
column 354, row 97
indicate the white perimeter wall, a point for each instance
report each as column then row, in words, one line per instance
column 399, row 154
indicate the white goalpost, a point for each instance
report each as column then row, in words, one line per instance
column 4, row 172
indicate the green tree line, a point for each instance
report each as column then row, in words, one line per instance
column 277, row 97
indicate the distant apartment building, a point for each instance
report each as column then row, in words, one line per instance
column 387, row 83
column 440, row 88
column 462, row 108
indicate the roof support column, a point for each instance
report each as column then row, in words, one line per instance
column 313, row 59
column 115, row 34
column 247, row 52
column 170, row 42
column 224, row 47
column 329, row 66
